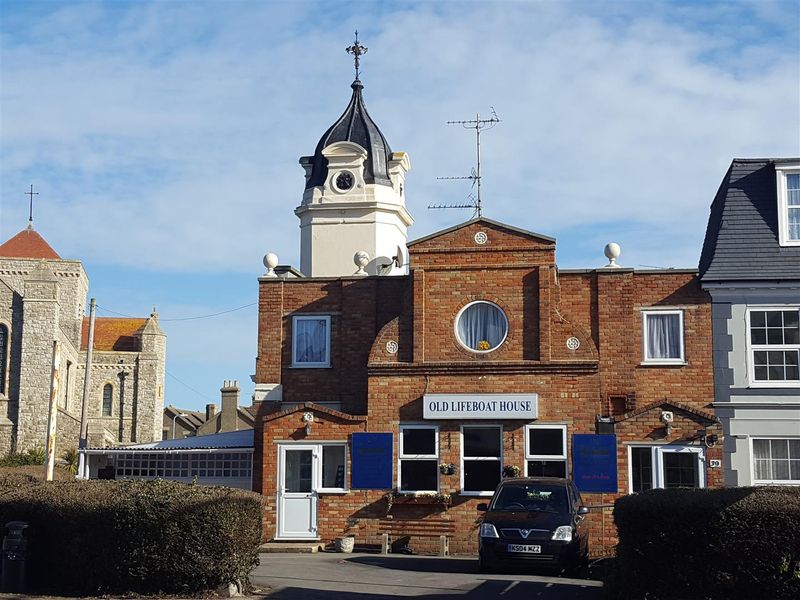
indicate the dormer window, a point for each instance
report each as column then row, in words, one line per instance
column 788, row 184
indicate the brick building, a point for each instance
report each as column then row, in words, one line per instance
column 471, row 352
column 571, row 343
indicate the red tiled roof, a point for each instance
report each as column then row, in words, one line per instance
column 27, row 244
column 111, row 333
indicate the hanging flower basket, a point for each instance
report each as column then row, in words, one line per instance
column 511, row 471
column 448, row 469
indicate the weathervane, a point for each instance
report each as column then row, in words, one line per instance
column 30, row 213
column 478, row 125
column 357, row 50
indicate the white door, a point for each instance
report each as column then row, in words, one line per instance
column 297, row 498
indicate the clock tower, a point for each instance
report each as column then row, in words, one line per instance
column 354, row 198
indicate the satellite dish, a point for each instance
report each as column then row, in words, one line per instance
column 383, row 265
column 399, row 258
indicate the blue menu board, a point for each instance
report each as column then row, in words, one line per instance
column 371, row 461
column 594, row 462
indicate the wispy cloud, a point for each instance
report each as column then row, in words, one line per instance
column 165, row 135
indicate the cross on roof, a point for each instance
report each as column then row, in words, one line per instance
column 357, row 50
column 31, row 193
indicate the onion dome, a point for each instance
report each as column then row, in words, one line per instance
column 355, row 125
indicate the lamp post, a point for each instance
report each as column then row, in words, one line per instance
column 173, row 422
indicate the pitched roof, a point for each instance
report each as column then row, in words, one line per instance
column 27, row 244
column 524, row 232
column 669, row 404
column 741, row 240
column 113, row 334
column 241, row 439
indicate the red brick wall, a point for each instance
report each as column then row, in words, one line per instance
column 602, row 308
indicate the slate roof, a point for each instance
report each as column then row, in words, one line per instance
column 113, row 334
column 28, row 244
column 741, row 242
column 355, row 125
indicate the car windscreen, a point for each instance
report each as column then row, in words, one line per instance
column 531, row 497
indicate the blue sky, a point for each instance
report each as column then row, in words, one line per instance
column 163, row 137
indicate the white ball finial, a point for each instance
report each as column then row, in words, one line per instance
column 270, row 261
column 612, row 252
column 361, row 260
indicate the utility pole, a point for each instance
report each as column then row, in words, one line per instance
column 87, row 381
column 52, row 414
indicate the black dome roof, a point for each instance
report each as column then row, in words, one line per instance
column 355, row 125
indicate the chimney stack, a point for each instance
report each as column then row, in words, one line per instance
column 211, row 411
column 230, row 406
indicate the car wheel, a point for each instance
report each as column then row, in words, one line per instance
column 484, row 566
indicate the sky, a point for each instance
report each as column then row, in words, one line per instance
column 163, row 137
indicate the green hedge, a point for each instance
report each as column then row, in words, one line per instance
column 686, row 544
column 92, row 537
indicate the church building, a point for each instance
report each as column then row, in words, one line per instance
column 43, row 300
column 399, row 382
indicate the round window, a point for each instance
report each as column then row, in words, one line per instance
column 344, row 181
column 481, row 326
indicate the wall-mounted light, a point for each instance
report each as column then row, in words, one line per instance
column 710, row 439
column 308, row 419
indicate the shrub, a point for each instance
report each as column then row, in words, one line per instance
column 70, row 460
column 90, row 537
column 34, row 456
column 686, row 544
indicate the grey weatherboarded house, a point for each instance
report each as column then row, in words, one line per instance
column 750, row 265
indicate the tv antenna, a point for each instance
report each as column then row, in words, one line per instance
column 478, row 125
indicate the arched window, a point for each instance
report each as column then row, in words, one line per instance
column 3, row 357
column 108, row 392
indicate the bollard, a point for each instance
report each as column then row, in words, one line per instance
column 15, row 553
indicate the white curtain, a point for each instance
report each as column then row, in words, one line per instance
column 311, row 339
column 663, row 336
column 481, row 322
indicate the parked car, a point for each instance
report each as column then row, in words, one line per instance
column 534, row 522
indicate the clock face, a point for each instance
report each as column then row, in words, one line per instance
column 344, row 181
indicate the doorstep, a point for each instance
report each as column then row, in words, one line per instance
column 291, row 547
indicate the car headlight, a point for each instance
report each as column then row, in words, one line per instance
column 563, row 533
column 488, row 531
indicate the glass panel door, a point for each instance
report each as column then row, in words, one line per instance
column 297, row 498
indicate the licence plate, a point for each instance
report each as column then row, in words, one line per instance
column 525, row 548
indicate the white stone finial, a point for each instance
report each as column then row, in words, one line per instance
column 361, row 260
column 612, row 252
column 270, row 261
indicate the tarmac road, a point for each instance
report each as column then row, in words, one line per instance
column 331, row 576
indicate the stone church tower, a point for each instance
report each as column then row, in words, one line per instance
column 354, row 198
column 42, row 300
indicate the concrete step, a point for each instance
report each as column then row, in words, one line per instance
column 291, row 547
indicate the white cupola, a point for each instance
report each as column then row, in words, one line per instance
column 354, row 198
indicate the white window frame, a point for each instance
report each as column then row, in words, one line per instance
column 657, row 456
column 476, row 458
column 312, row 365
column 458, row 318
column 324, row 490
column 401, row 456
column 663, row 361
column 781, row 171
column 550, row 457
column 751, row 349
column 753, row 463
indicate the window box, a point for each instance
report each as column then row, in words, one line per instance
column 420, row 498
column 662, row 337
